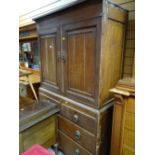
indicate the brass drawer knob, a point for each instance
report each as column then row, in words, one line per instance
column 75, row 118
column 77, row 134
column 77, row 152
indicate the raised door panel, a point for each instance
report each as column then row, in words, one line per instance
column 50, row 65
column 80, row 48
column 81, row 55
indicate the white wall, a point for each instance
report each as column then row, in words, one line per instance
column 29, row 9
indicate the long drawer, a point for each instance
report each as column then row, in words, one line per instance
column 82, row 119
column 78, row 134
column 70, row 147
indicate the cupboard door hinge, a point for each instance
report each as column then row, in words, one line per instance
column 63, row 57
column 58, row 55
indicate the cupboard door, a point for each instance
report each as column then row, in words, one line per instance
column 50, row 62
column 80, row 67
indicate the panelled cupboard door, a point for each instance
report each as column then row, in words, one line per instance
column 50, row 62
column 80, row 68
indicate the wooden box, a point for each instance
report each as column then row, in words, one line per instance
column 38, row 124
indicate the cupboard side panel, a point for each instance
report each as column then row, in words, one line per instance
column 111, row 57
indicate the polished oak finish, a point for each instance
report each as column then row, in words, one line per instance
column 85, row 61
column 123, row 129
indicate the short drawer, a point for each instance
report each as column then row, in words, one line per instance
column 78, row 134
column 82, row 119
column 70, row 147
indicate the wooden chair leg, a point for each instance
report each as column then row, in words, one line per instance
column 34, row 93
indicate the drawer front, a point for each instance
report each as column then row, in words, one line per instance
column 70, row 147
column 78, row 134
column 86, row 121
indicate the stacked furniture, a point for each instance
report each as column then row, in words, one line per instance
column 123, row 130
column 81, row 51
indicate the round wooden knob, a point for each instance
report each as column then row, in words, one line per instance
column 77, row 152
column 75, row 118
column 77, row 134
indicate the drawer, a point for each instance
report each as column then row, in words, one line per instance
column 82, row 119
column 78, row 134
column 70, row 147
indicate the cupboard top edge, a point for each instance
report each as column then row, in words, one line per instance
column 78, row 4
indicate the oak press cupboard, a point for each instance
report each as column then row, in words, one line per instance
column 81, row 52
